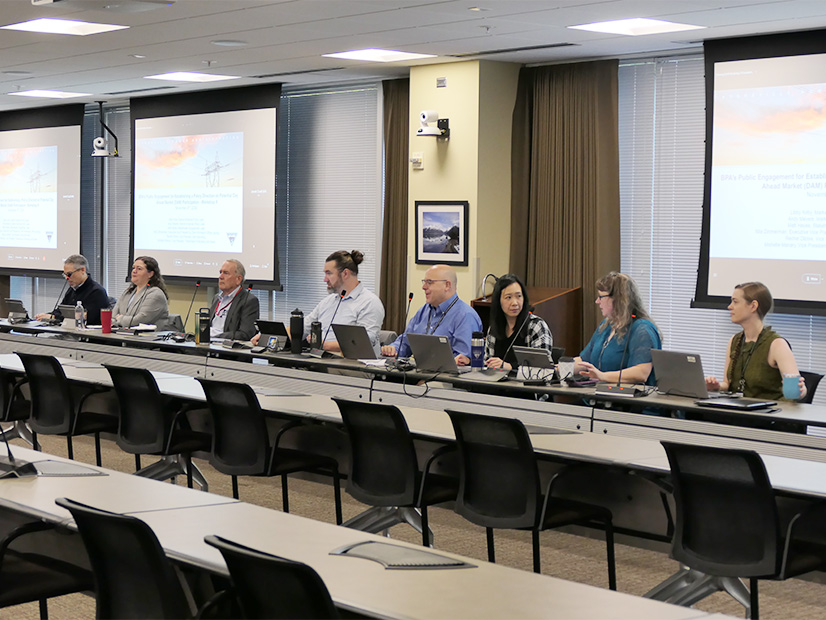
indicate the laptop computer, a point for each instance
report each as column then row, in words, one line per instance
column 736, row 404
column 434, row 354
column 535, row 358
column 354, row 342
column 679, row 374
column 67, row 311
column 17, row 311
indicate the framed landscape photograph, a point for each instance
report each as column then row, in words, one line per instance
column 442, row 232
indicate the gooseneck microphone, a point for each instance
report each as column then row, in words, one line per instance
column 60, row 297
column 138, row 305
column 404, row 325
column 618, row 390
column 329, row 327
column 192, row 301
column 625, row 350
column 517, row 332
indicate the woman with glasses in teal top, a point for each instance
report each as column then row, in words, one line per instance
column 624, row 338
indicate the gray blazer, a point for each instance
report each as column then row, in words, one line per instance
column 241, row 317
column 151, row 305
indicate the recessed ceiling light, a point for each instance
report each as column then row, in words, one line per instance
column 137, row 56
column 478, row 8
column 190, row 76
column 62, row 26
column 376, row 55
column 49, row 94
column 229, row 43
column 636, row 26
column 15, row 72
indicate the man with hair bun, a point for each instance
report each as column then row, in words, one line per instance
column 359, row 306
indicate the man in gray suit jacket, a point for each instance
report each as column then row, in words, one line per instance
column 234, row 309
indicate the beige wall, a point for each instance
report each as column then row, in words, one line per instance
column 473, row 165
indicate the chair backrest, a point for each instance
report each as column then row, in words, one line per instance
column 240, row 444
column 10, row 398
column 133, row 577
column 556, row 353
column 499, row 480
column 52, row 404
column 726, row 518
column 384, row 470
column 268, row 586
column 387, row 336
column 144, row 427
column 812, row 380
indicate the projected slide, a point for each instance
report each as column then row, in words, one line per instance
column 191, row 191
column 768, row 176
column 39, row 197
column 205, row 192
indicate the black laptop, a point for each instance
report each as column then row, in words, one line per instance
column 273, row 335
column 354, row 342
column 434, row 354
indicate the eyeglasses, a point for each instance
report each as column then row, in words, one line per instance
column 429, row 283
column 70, row 274
column 602, row 296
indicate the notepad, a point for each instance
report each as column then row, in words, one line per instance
column 397, row 557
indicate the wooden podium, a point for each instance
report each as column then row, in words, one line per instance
column 560, row 307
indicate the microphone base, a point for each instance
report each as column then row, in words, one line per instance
column 618, row 391
column 16, row 469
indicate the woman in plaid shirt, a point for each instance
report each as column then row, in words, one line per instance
column 512, row 324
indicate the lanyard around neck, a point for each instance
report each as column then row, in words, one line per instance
column 430, row 316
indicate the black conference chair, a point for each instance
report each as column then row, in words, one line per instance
column 241, row 445
column 384, row 470
column 57, row 408
column 728, row 527
column 132, row 576
column 812, row 379
column 28, row 576
column 268, row 586
column 151, row 423
column 556, row 353
column 14, row 408
column 499, row 486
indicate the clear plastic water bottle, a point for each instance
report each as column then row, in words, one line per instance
column 80, row 316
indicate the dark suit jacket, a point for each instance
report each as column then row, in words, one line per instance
column 240, row 321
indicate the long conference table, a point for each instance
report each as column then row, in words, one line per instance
column 572, row 440
column 182, row 517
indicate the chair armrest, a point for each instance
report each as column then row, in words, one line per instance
column 213, row 602
column 438, row 452
column 809, row 525
column 15, row 389
column 22, row 530
column 284, row 429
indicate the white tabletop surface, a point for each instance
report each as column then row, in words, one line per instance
column 487, row 591
column 116, row 492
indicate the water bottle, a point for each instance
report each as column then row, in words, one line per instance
column 80, row 316
column 477, row 350
column 296, row 330
column 315, row 335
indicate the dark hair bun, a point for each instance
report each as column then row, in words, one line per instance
column 357, row 257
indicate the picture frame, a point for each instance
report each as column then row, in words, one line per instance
column 442, row 232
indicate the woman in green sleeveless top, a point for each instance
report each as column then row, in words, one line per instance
column 757, row 357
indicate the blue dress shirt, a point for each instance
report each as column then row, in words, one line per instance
column 456, row 320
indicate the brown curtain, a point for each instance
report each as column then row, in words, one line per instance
column 565, row 179
column 393, row 277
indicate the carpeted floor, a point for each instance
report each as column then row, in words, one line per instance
column 563, row 555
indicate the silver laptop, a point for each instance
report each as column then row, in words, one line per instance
column 434, row 354
column 679, row 374
column 354, row 342
column 67, row 311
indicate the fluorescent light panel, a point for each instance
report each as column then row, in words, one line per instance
column 189, row 76
column 377, row 55
column 49, row 94
column 63, row 26
column 636, row 26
